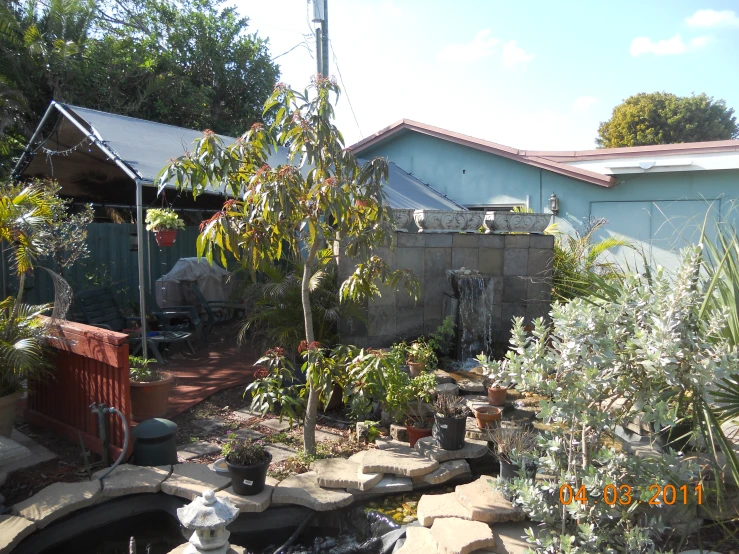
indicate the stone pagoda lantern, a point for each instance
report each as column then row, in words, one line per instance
column 208, row 517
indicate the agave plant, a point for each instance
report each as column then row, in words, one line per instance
column 22, row 346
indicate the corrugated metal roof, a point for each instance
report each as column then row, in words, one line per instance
column 146, row 147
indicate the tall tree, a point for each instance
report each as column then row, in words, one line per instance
column 664, row 118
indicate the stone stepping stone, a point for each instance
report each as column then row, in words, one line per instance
column 389, row 484
column 417, row 541
column 442, row 377
column 253, row 503
column 13, row 530
column 433, row 506
column 339, row 473
column 326, row 436
column 457, row 536
column 131, row 479
column 469, row 382
column 398, row 461
column 485, row 503
column 277, row 425
column 303, row 490
column 445, row 472
column 475, row 401
column 280, row 452
column 244, row 434
column 192, row 480
column 11, row 451
column 196, row 450
column 472, row 431
column 210, row 424
column 246, row 413
column 429, row 447
column 511, row 537
column 58, row 500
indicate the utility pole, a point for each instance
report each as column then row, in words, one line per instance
column 320, row 20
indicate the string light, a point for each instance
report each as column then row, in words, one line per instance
column 68, row 151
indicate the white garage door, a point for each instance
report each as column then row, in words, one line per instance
column 659, row 229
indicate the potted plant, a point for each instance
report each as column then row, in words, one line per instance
column 417, row 424
column 164, row 222
column 499, row 382
column 419, row 356
column 150, row 389
column 515, row 445
column 247, row 461
column 487, row 415
column 450, row 414
column 22, row 355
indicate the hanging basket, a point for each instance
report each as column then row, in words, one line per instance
column 165, row 238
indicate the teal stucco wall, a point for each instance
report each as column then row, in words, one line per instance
column 660, row 212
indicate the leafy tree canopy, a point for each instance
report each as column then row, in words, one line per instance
column 664, row 118
column 190, row 63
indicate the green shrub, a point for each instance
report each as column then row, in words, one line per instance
column 244, row 452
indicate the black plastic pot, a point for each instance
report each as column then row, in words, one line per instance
column 249, row 480
column 677, row 437
column 509, row 471
column 450, row 431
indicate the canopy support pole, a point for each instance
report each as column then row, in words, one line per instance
column 140, row 245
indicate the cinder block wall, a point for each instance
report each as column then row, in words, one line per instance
column 521, row 267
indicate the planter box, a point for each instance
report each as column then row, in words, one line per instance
column 514, row 222
column 447, row 221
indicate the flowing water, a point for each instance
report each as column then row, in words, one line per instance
column 475, row 320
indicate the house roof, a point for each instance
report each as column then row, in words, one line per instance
column 554, row 161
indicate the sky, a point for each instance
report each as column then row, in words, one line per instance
column 527, row 74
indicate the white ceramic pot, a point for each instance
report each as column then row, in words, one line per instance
column 447, row 221
column 515, row 222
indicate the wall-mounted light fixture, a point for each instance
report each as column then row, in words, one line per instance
column 133, row 245
column 554, row 204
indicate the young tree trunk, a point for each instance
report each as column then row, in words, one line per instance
column 311, row 412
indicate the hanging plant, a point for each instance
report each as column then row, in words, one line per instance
column 164, row 222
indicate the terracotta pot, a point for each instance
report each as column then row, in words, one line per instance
column 8, row 405
column 150, row 400
column 416, row 368
column 497, row 395
column 415, row 433
column 165, row 238
column 485, row 415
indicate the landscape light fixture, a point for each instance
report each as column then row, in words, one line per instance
column 554, row 204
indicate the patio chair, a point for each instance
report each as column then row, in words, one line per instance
column 218, row 311
column 190, row 313
column 100, row 309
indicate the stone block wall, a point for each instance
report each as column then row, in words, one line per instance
column 520, row 267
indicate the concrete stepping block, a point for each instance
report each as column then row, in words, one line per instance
column 476, row 400
column 192, row 480
column 389, row 484
column 246, row 413
column 510, row 538
column 11, row 451
column 244, row 434
column 13, row 530
column 485, row 503
column 277, row 425
column 472, row 431
column 458, row 536
column 326, row 436
column 399, row 462
column 209, row 424
column 445, row 472
column 304, row 490
column 131, row 479
column 433, row 506
column 254, row 503
column 196, row 450
column 429, row 447
column 280, row 452
column 38, row 454
column 469, row 382
column 339, row 473
column 442, row 377
column 58, row 500
column 418, row 541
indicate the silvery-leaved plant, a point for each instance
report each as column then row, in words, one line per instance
column 642, row 354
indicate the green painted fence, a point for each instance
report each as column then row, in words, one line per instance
column 112, row 262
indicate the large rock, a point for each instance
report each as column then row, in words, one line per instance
column 433, row 506
column 253, row 503
column 58, row 500
column 12, row 531
column 303, row 490
column 399, row 461
column 131, row 479
column 485, row 503
column 389, row 484
column 192, row 480
column 339, row 473
column 457, row 536
column 429, row 447
column 445, row 472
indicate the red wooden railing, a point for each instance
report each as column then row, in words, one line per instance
column 91, row 365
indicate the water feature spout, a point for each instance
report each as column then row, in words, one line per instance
column 474, row 314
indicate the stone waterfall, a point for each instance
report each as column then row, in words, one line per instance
column 472, row 310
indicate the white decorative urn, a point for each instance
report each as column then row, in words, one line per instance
column 447, row 221
column 516, row 222
column 208, row 517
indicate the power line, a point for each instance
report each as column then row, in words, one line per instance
column 304, row 43
column 341, row 78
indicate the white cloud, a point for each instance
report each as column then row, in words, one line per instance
column 668, row 47
column 482, row 46
column 514, row 55
column 713, row 18
column 584, row 103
